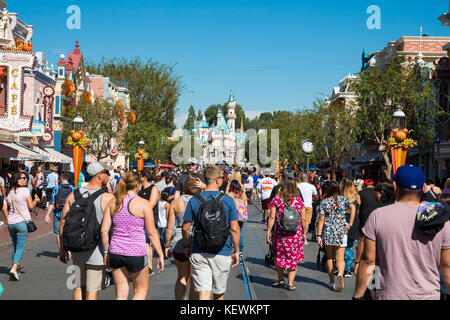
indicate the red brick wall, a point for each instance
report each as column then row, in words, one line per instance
column 434, row 46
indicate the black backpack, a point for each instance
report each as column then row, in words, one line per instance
column 211, row 229
column 81, row 230
column 289, row 220
column 63, row 192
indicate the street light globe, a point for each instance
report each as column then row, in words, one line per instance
column 141, row 143
column 399, row 118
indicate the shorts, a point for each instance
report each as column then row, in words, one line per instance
column 56, row 224
column 180, row 257
column 91, row 277
column 265, row 204
column 308, row 214
column 48, row 193
column 133, row 264
column 210, row 272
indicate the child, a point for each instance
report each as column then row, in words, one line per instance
column 163, row 213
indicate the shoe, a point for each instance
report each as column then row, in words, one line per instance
column 331, row 285
column 339, row 284
column 335, row 272
column 306, row 243
column 151, row 272
column 13, row 275
column 1, row 223
column 347, row 274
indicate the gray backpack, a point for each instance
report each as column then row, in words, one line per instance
column 289, row 220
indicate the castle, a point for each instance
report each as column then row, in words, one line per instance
column 221, row 142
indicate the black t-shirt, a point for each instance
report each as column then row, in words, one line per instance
column 183, row 178
column 364, row 216
column 367, row 199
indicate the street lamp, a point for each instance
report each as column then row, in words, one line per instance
column 141, row 144
column 399, row 119
column 308, row 148
column 77, row 122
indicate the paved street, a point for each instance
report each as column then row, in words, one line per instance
column 43, row 277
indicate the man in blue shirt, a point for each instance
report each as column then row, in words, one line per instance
column 210, row 271
column 66, row 189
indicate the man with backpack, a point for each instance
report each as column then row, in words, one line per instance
column 216, row 230
column 80, row 232
column 56, row 204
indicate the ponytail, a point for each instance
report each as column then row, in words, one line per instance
column 120, row 195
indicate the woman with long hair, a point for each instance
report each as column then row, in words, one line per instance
column 384, row 195
column 174, row 237
column 39, row 179
column 348, row 190
column 332, row 231
column 236, row 192
column 16, row 208
column 127, row 253
column 287, row 248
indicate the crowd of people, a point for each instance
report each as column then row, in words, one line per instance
column 198, row 218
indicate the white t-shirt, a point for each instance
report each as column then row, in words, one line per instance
column 162, row 219
column 265, row 186
column 250, row 180
column 2, row 184
column 308, row 192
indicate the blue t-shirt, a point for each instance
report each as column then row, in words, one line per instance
column 190, row 215
column 172, row 191
column 52, row 178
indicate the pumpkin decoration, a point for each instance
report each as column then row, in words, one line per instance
column 78, row 139
column 119, row 102
column 28, row 46
column 132, row 117
column 400, row 136
column 87, row 97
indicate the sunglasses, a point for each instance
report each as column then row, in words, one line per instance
column 24, row 178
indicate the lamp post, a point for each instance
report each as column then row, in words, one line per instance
column 308, row 148
column 141, row 155
column 399, row 119
column 79, row 143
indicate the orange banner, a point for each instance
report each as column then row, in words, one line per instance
column 140, row 162
column 398, row 158
column 77, row 155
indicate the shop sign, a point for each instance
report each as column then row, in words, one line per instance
column 37, row 130
column 16, row 61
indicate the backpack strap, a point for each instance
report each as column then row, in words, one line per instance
column 77, row 194
column 219, row 197
column 96, row 194
column 200, row 199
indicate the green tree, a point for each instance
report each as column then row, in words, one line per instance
column 380, row 89
column 190, row 121
column 199, row 115
column 102, row 123
column 154, row 93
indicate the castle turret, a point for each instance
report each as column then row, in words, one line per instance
column 231, row 115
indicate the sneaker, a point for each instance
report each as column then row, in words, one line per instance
column 1, row 223
column 305, row 243
column 151, row 272
column 14, row 275
column 331, row 285
column 347, row 274
column 339, row 284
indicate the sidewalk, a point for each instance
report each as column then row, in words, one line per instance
column 43, row 229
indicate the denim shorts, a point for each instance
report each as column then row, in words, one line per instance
column 56, row 224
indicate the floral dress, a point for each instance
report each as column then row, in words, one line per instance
column 335, row 223
column 288, row 249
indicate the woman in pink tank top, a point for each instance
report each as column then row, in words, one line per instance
column 126, row 253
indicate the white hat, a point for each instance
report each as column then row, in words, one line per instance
column 191, row 160
column 94, row 169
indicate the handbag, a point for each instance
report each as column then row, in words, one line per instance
column 31, row 226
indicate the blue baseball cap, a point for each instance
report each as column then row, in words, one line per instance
column 409, row 177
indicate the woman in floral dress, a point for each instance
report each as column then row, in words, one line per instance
column 332, row 231
column 287, row 248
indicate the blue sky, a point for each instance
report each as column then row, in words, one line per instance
column 274, row 54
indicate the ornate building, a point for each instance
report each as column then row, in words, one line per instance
column 221, row 142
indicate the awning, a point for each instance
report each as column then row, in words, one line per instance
column 58, row 156
column 44, row 154
column 368, row 158
column 17, row 152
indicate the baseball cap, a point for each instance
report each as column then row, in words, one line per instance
column 409, row 177
column 191, row 161
column 368, row 181
column 95, row 168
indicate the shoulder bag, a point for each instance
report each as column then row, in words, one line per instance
column 31, row 226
